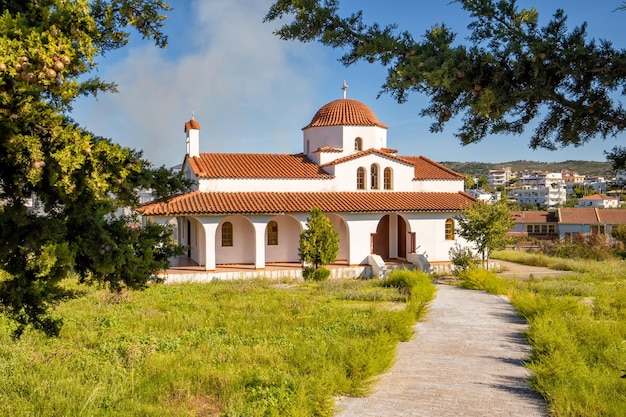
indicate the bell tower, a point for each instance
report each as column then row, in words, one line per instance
column 192, row 131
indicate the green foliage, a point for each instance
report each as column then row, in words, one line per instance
column 319, row 243
column 577, row 328
column 315, row 274
column 481, row 279
column 508, row 74
column 79, row 181
column 235, row 348
column 413, row 284
column 485, row 225
column 462, row 258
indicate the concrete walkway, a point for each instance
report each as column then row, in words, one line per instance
column 464, row 360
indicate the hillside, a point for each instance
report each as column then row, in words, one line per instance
column 477, row 169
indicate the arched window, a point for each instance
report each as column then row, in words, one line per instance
column 387, row 179
column 449, row 229
column 227, row 234
column 308, row 146
column 272, row 233
column 374, row 174
column 358, row 144
column 360, row 178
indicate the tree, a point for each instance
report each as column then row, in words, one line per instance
column 469, row 182
column 319, row 245
column 511, row 72
column 48, row 49
column 486, row 225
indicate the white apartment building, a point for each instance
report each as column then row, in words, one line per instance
column 541, row 188
column 598, row 201
column 496, row 177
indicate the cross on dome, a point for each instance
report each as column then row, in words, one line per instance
column 344, row 88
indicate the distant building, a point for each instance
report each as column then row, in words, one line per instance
column 565, row 222
column 496, row 177
column 598, row 183
column 599, row 201
column 485, row 196
column 541, row 188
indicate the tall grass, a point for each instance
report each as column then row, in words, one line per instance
column 577, row 330
column 253, row 348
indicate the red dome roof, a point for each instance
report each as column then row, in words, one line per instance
column 345, row 112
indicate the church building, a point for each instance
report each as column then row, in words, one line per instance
column 250, row 208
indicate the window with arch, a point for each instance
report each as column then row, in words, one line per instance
column 360, row 178
column 374, row 175
column 227, row 234
column 358, row 144
column 308, row 146
column 272, row 233
column 449, row 229
column 388, row 179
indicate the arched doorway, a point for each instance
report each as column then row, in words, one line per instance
column 390, row 239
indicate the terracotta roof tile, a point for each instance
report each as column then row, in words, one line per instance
column 534, row 216
column 370, row 151
column 344, row 112
column 246, row 165
column 578, row 215
column 612, row 216
column 196, row 202
column 328, row 149
column 192, row 124
column 427, row 169
column 596, row 197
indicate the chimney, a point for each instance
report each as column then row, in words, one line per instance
column 192, row 130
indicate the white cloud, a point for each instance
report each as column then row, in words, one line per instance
column 250, row 91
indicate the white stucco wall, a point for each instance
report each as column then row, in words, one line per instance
column 289, row 229
column 265, row 184
column 346, row 173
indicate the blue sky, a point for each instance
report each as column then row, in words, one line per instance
column 252, row 92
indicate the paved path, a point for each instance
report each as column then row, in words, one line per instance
column 464, row 360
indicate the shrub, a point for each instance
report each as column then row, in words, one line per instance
column 315, row 274
column 482, row 279
column 462, row 258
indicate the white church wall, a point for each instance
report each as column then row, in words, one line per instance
column 430, row 238
column 346, row 173
column 289, row 229
column 264, row 184
column 372, row 137
column 243, row 248
column 438, row 186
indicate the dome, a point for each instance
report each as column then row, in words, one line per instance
column 345, row 112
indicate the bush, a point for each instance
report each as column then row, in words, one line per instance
column 482, row 279
column 415, row 285
column 315, row 274
column 462, row 258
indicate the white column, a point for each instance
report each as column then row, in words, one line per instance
column 208, row 246
column 260, row 224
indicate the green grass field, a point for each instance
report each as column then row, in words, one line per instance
column 241, row 348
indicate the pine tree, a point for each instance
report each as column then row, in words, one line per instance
column 81, row 181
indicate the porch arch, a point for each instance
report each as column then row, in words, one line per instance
column 341, row 227
column 393, row 238
column 286, row 249
column 242, row 249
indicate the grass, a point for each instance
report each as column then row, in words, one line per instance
column 577, row 330
column 253, row 348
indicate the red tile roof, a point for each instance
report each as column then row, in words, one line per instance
column 427, row 169
column 344, row 112
column 369, row 151
column 612, row 216
column 578, row 215
column 596, row 197
column 196, row 202
column 192, row 124
column 534, row 216
column 247, row 165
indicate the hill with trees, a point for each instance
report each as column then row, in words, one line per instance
column 477, row 169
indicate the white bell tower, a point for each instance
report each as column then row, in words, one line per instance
column 192, row 130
